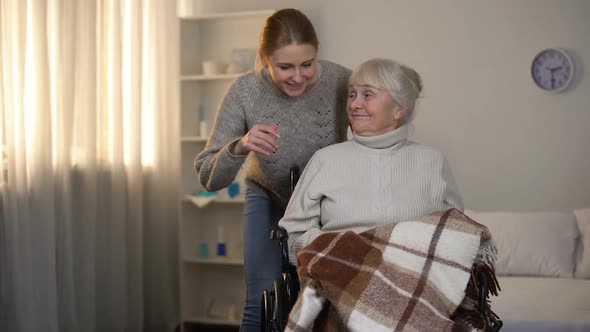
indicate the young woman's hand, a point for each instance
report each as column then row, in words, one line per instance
column 261, row 139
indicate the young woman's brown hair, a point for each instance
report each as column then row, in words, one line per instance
column 285, row 27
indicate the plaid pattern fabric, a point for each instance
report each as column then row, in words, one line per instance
column 407, row 276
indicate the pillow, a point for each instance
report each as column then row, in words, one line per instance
column 532, row 243
column 583, row 266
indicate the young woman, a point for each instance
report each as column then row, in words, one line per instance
column 278, row 116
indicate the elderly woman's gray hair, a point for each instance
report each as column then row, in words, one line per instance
column 402, row 82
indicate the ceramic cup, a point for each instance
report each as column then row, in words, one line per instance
column 213, row 67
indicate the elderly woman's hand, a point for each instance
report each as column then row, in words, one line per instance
column 261, row 139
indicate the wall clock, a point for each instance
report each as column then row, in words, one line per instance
column 552, row 70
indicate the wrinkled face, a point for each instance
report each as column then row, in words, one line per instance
column 372, row 111
column 293, row 68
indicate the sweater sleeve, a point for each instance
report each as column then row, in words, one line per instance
column 302, row 218
column 450, row 195
column 216, row 166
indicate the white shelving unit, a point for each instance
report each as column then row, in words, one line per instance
column 212, row 288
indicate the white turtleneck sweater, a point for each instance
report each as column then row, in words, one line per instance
column 367, row 182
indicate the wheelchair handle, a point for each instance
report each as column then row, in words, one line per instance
column 278, row 233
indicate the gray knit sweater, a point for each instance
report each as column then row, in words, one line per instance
column 367, row 182
column 306, row 123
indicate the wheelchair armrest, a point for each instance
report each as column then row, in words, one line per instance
column 280, row 234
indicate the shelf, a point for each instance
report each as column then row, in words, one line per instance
column 188, row 78
column 212, row 321
column 231, row 201
column 193, row 139
column 217, row 16
column 210, row 35
column 219, row 201
column 215, row 261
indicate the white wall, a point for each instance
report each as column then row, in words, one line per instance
column 511, row 145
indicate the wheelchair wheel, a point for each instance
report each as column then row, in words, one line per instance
column 290, row 291
column 280, row 310
column 265, row 312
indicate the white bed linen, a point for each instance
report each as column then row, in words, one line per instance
column 543, row 299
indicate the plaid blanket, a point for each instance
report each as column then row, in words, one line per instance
column 409, row 276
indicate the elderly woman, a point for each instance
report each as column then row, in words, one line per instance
column 379, row 176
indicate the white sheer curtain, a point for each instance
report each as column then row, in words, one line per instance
column 89, row 133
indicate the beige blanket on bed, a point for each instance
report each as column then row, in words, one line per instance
column 408, row 276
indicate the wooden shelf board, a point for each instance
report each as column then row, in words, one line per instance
column 187, row 78
column 212, row 321
column 217, row 16
column 221, row 201
column 215, row 261
column 193, row 139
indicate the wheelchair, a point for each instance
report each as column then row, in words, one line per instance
column 276, row 304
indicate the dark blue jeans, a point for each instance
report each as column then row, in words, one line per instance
column 262, row 256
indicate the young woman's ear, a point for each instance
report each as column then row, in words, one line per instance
column 265, row 62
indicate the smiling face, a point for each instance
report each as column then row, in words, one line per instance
column 293, row 68
column 372, row 111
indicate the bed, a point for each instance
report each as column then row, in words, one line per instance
column 543, row 269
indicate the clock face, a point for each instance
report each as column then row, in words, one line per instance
column 552, row 70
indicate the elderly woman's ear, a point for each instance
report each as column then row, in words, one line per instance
column 400, row 114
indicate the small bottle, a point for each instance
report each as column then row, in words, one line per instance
column 203, row 124
column 221, row 246
column 204, row 128
column 203, row 250
column 233, row 190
